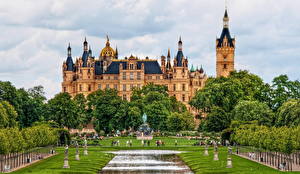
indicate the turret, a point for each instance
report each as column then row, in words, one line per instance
column 168, row 66
column 85, row 54
column 225, row 50
column 117, row 53
column 179, row 57
column 69, row 62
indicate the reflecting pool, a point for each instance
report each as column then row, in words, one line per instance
column 146, row 162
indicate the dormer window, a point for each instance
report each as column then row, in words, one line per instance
column 131, row 66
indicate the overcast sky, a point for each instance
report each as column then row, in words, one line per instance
column 34, row 34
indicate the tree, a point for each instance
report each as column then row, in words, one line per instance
column 289, row 114
column 283, row 89
column 80, row 104
column 180, row 121
column 253, row 110
column 104, row 107
column 11, row 114
column 62, row 110
column 217, row 120
column 134, row 119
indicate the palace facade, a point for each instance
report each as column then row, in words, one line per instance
column 88, row 73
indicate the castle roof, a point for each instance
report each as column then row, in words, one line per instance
column 150, row 66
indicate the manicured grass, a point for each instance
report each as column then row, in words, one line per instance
column 138, row 143
column 201, row 164
column 53, row 165
column 193, row 157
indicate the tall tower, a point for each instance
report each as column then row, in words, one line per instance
column 225, row 49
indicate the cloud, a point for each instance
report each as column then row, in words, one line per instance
column 35, row 34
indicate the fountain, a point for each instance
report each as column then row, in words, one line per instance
column 144, row 131
column 146, row 162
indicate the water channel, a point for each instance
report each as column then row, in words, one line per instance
column 146, row 162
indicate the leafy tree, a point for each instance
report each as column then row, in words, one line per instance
column 134, row 119
column 180, row 121
column 4, row 122
column 283, row 89
column 11, row 114
column 253, row 110
column 217, row 120
column 104, row 106
column 289, row 114
column 81, row 103
column 62, row 110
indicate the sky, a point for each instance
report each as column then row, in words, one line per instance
column 35, row 34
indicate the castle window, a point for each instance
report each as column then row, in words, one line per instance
column 199, row 83
column 99, row 86
column 89, row 88
column 139, row 75
column 80, row 71
column 225, row 66
column 89, row 71
column 124, row 97
column 124, row 87
column 139, row 86
column 124, row 75
column 65, row 89
column 108, row 77
column 107, row 86
column 131, row 66
column 183, row 87
column 115, row 77
column 80, row 87
column 157, row 77
column 174, row 87
column 116, row 86
column 131, row 75
column 149, row 77
column 131, row 86
column 183, row 97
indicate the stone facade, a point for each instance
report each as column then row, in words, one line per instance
column 88, row 73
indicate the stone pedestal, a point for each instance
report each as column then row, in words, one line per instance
column 85, row 152
column 216, row 156
column 66, row 159
column 77, row 157
column 229, row 163
column 205, row 151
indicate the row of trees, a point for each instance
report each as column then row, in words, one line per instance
column 13, row 140
column 245, row 97
column 22, row 108
column 274, row 139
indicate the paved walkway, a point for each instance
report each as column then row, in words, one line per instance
column 295, row 167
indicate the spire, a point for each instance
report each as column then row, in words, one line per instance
column 226, row 19
column 69, row 50
column 169, row 55
column 90, row 52
column 117, row 53
column 69, row 61
column 85, row 44
column 107, row 41
column 179, row 44
column 192, row 69
column 201, row 70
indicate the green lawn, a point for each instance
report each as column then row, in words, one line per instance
column 205, row 165
column 53, row 165
column 193, row 157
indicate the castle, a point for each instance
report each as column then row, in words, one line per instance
column 88, row 73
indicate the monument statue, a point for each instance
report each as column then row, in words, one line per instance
column 144, row 131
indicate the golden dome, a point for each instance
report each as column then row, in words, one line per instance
column 107, row 51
